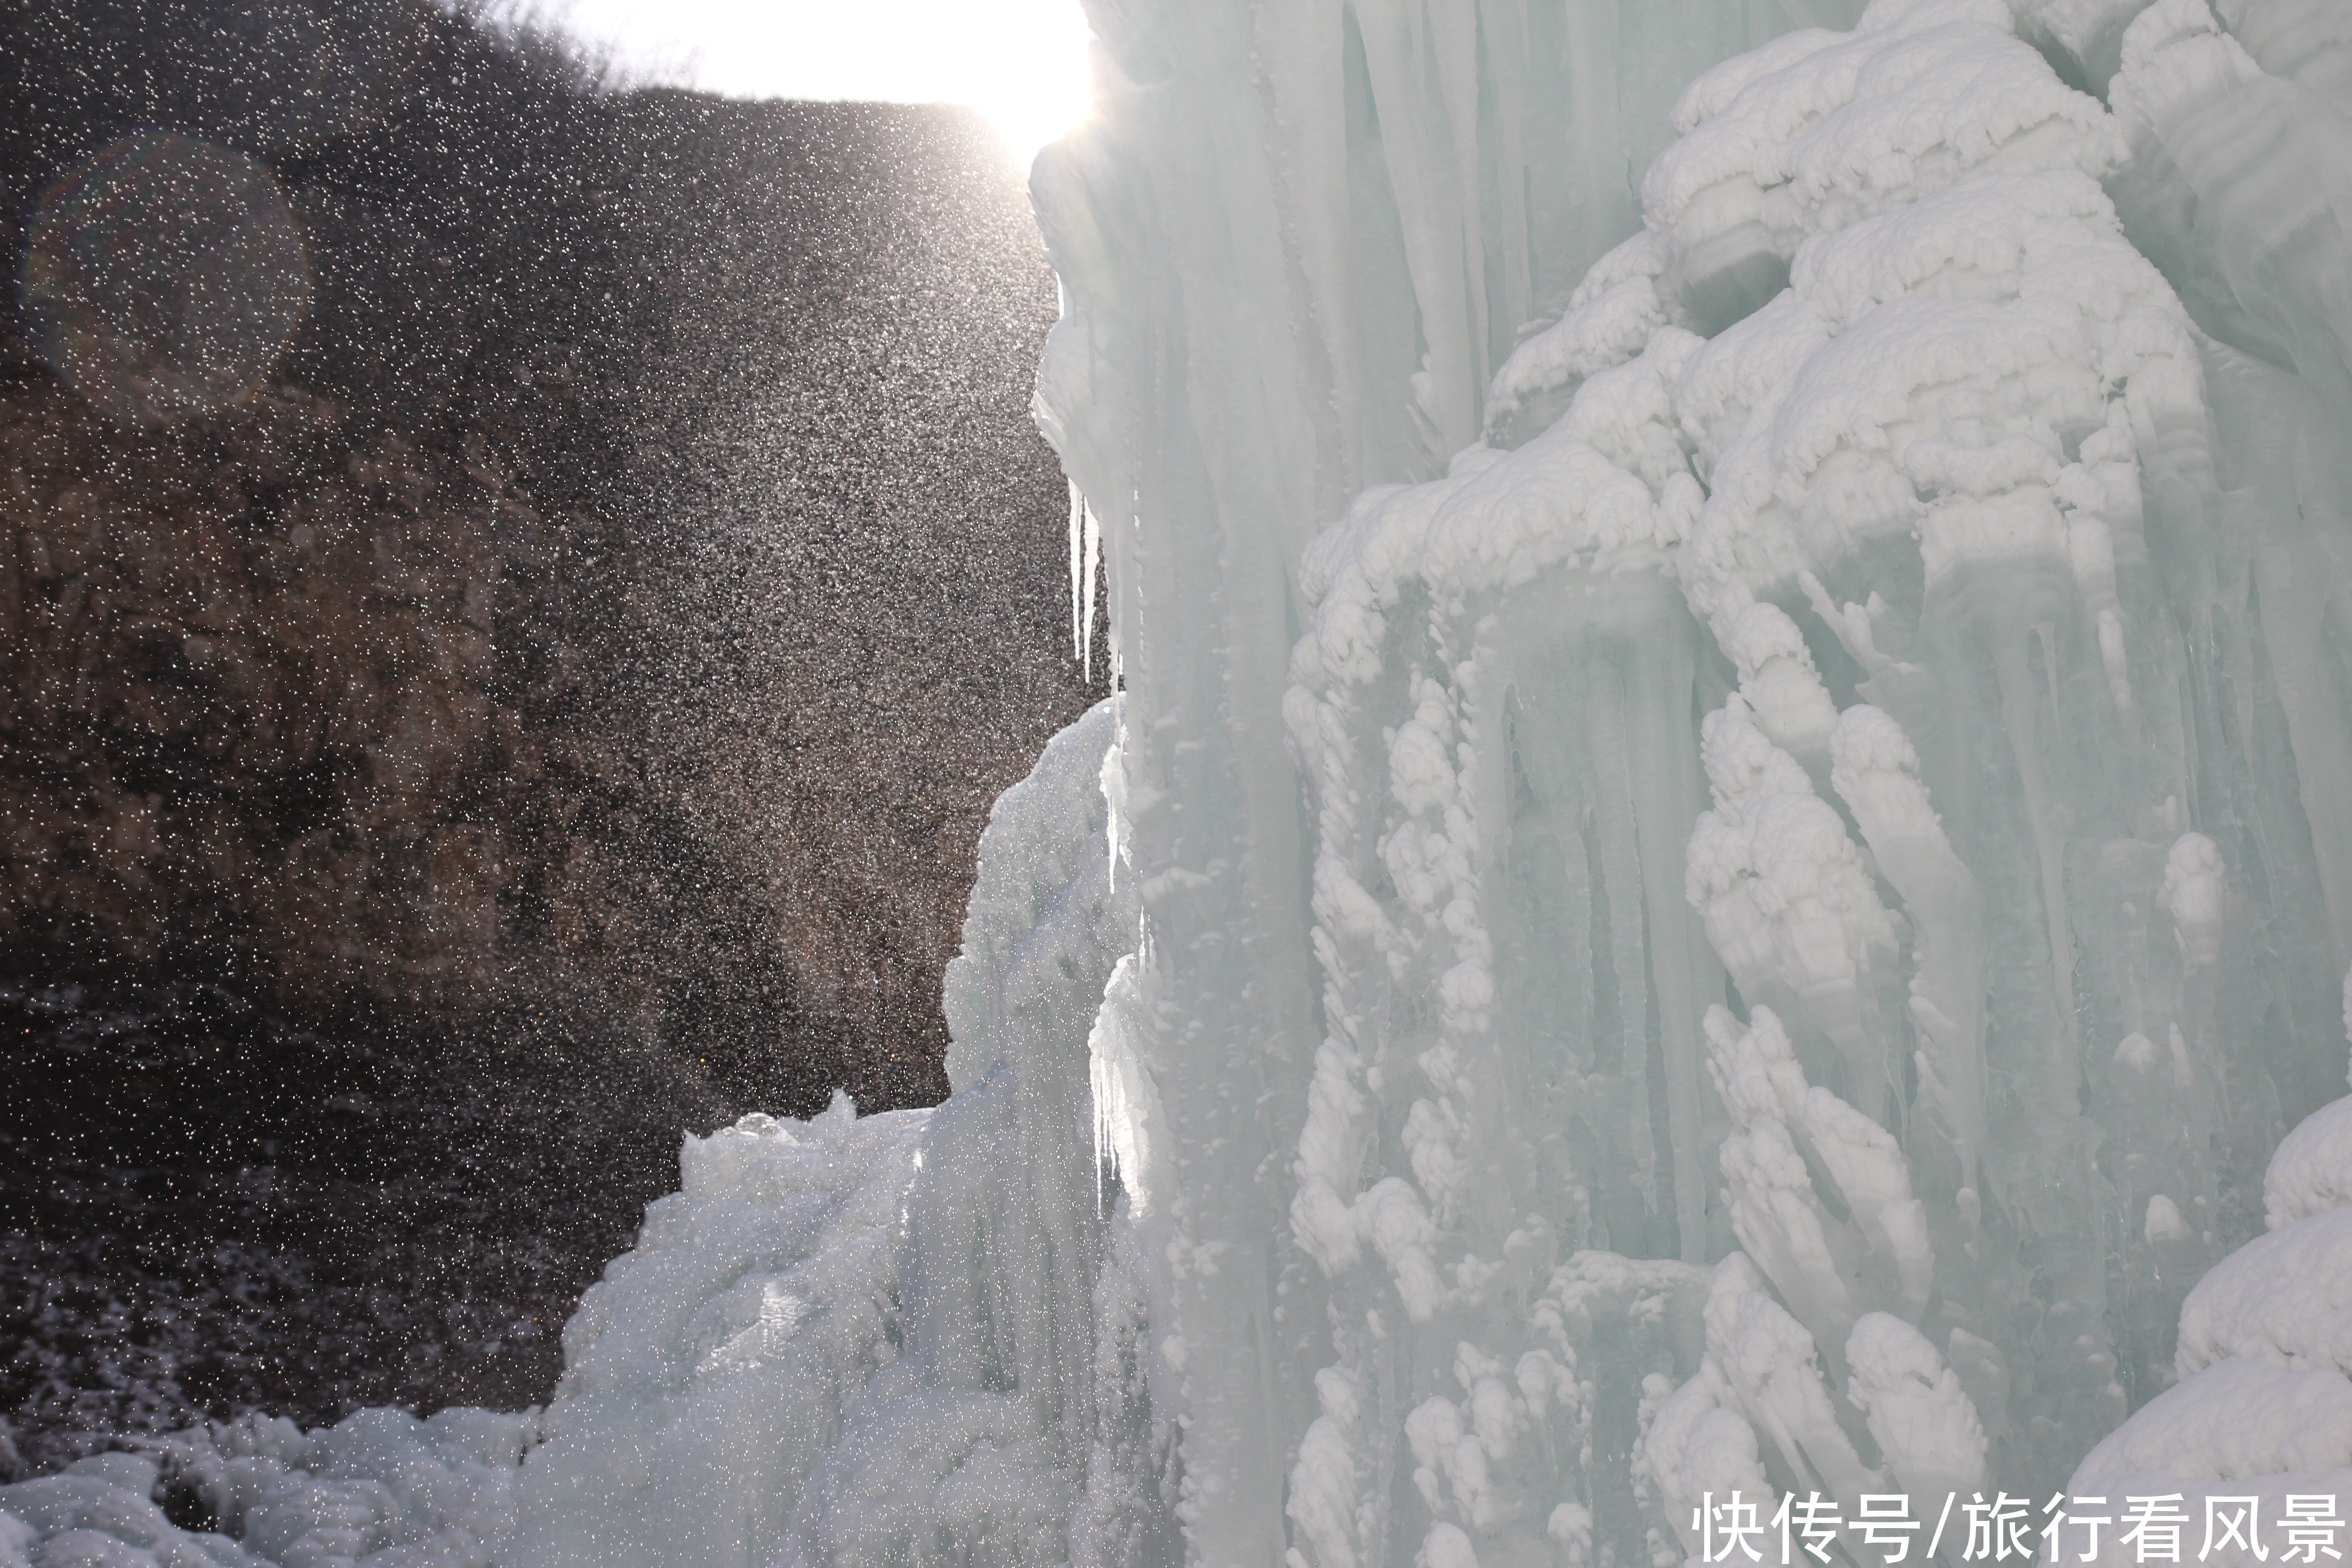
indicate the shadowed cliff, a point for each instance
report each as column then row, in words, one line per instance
column 565, row 686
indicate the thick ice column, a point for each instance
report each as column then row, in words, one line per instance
column 1973, row 559
column 1875, row 772
column 1293, row 248
column 1491, row 710
column 1048, row 921
column 1194, row 446
column 2239, row 135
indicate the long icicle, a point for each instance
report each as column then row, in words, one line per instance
column 1079, row 574
column 1089, row 569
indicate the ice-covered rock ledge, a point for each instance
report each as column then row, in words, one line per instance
column 1822, row 873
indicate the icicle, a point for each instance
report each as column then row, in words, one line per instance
column 1090, row 572
column 1114, row 784
column 1081, row 599
column 1875, row 772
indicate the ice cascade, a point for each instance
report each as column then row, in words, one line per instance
column 1723, row 854
column 1823, row 783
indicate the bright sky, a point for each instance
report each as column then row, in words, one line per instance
column 1021, row 62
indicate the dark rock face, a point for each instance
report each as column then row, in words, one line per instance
column 211, row 1210
column 249, row 701
column 566, row 690
column 639, row 561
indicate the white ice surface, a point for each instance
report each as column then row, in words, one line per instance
column 2264, row 1408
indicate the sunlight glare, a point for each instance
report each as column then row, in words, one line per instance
column 1021, row 63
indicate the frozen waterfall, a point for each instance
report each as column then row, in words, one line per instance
column 1723, row 856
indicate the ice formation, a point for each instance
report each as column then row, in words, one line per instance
column 2264, row 1408
column 1722, row 857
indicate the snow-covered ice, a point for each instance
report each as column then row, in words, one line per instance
column 2264, row 1408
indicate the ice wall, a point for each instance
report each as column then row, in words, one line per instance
column 1823, row 740
column 2262, row 1413
column 1294, row 248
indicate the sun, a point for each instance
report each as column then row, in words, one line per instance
column 1021, row 63
column 1037, row 91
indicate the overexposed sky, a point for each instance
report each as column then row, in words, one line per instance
column 1021, row 62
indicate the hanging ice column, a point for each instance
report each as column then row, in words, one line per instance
column 1283, row 286
column 1827, row 770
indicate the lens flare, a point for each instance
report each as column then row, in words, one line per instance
column 162, row 277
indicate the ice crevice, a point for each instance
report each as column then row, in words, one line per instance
column 1722, row 856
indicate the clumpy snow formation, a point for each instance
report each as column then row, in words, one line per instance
column 2264, row 1408
column 1722, row 858
column 707, row 1373
column 382, row 1488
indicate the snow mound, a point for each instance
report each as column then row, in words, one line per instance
column 381, row 1488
